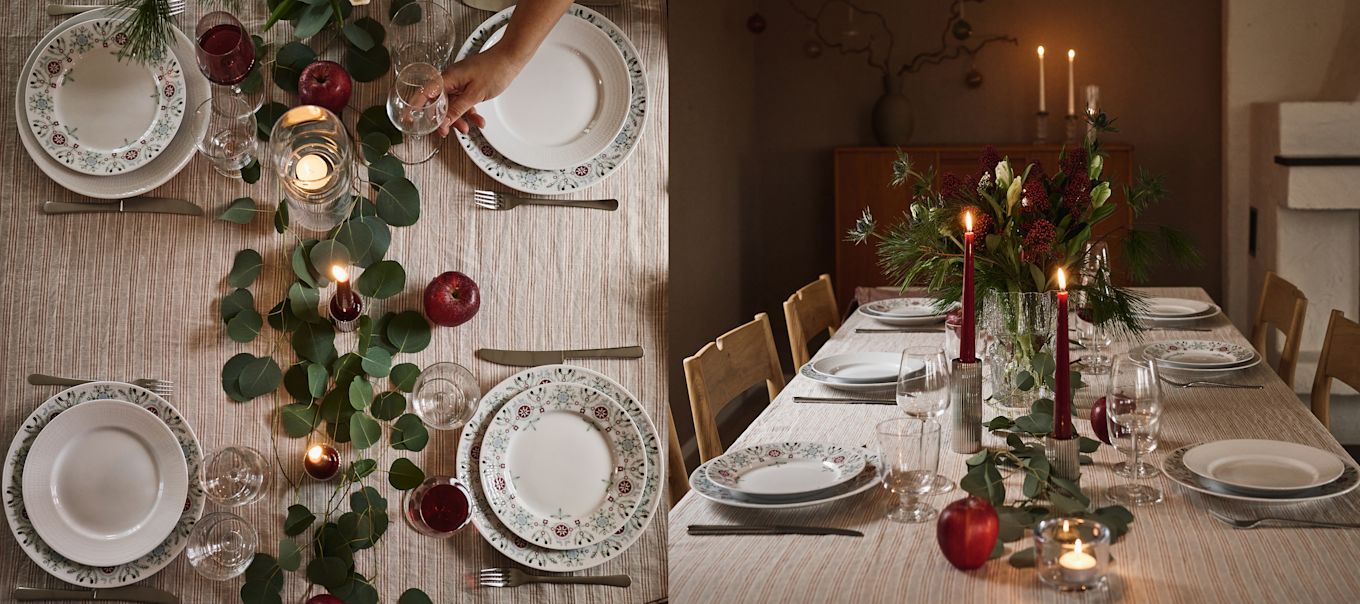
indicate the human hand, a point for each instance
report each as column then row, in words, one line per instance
column 480, row 77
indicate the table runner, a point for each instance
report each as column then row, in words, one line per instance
column 1174, row 552
column 130, row 296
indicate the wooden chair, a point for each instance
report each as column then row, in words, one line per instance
column 1283, row 307
column 1340, row 359
column 722, row 370
column 676, row 475
column 808, row 312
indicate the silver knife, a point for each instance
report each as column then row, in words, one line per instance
column 534, row 358
column 162, row 205
column 500, row 5
column 126, row 594
column 775, row 529
column 845, row 401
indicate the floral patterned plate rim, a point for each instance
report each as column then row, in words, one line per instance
column 1200, row 354
column 784, row 469
column 54, row 563
column 829, row 381
column 1174, row 467
column 559, row 182
column 553, row 483
column 520, row 550
column 98, row 114
column 865, row 480
column 902, row 308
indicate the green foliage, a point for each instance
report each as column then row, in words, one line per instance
column 363, row 431
column 404, row 475
column 374, row 119
column 408, row 331
column 382, row 280
column 404, row 376
column 298, row 520
column 385, row 169
column 414, row 596
column 266, row 116
column 246, row 376
column 367, row 239
column 251, row 173
column 409, row 433
column 388, row 406
column 359, row 469
column 398, row 202
column 240, row 211
column 299, row 419
column 290, row 556
column 263, row 580
column 245, row 268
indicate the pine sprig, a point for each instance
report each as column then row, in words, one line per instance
column 147, row 29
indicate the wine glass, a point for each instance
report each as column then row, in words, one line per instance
column 222, row 545
column 236, row 476
column 421, row 32
column 923, row 391
column 910, row 449
column 438, row 508
column 445, row 396
column 226, row 54
column 417, row 104
column 1092, row 331
column 229, row 142
column 1133, row 408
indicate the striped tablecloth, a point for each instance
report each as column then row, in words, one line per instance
column 112, row 296
column 1175, row 552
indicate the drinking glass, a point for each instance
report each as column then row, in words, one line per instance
column 1092, row 331
column 445, row 396
column 421, row 32
column 1134, row 412
column 910, row 449
column 222, row 545
column 229, row 142
column 438, row 508
column 923, row 392
column 417, row 104
column 236, row 476
column 313, row 160
column 226, row 54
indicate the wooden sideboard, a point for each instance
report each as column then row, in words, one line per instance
column 862, row 181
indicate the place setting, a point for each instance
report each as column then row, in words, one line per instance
column 1260, row 471
column 905, row 315
column 1176, row 314
column 1201, row 363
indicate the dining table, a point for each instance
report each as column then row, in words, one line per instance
column 1175, row 551
column 123, row 296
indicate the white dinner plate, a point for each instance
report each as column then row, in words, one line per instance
column 859, row 367
column 517, row 549
column 1200, row 354
column 1138, row 352
column 903, row 312
column 105, row 482
column 566, row 105
column 176, row 154
column 865, row 480
column 860, row 387
column 1174, row 467
column 1174, row 307
column 562, row 465
column 1264, row 465
column 785, row 469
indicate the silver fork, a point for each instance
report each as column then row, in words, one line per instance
column 514, row 577
column 1250, row 523
column 173, row 8
column 492, row 200
column 1209, row 384
column 159, row 387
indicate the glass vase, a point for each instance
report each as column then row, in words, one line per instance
column 314, row 162
column 1020, row 325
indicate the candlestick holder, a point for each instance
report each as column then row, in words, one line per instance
column 1072, row 554
column 965, row 403
column 1065, row 455
column 1074, row 133
column 346, row 305
column 1041, row 128
column 322, row 461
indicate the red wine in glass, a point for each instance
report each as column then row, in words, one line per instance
column 226, row 54
column 438, row 507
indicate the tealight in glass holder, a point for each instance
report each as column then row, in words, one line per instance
column 1072, row 554
column 313, row 160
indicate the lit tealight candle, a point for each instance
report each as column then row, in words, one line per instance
column 346, row 305
column 312, row 171
column 322, row 461
column 1077, row 565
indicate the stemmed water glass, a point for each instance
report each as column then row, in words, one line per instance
column 1133, row 408
column 923, row 391
column 222, row 545
column 910, row 450
column 421, row 32
column 417, row 104
column 1091, row 331
column 236, row 476
column 226, row 54
column 229, row 142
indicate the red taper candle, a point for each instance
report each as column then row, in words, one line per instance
column 1062, row 379
column 968, row 331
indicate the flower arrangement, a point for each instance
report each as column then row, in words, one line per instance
column 1029, row 222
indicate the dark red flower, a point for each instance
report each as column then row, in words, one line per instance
column 982, row 221
column 1038, row 243
column 1077, row 194
column 953, row 187
column 1074, row 162
column 989, row 159
column 1034, row 196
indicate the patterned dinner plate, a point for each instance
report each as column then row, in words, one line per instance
column 865, row 480
column 33, row 545
column 1175, row 468
column 97, row 113
column 831, row 382
column 783, row 469
column 589, row 173
column 563, row 463
column 1200, row 354
column 903, row 312
column 515, row 547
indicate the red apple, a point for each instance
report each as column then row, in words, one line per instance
column 451, row 299
column 967, row 532
column 1098, row 425
column 324, row 599
column 325, row 84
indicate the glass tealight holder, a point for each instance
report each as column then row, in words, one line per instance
column 314, row 161
column 1072, row 554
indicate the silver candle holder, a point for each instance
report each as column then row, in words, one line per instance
column 1041, row 128
column 1065, row 455
column 965, row 404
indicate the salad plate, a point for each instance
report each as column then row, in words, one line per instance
column 867, row 479
column 784, row 469
column 1200, row 354
column 903, row 312
column 1264, row 466
column 859, row 367
column 1174, row 467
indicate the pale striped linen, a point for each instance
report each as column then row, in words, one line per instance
column 1175, row 551
column 136, row 296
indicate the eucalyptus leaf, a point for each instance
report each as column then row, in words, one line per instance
column 1024, row 381
column 346, row 368
column 367, row 65
column 377, row 362
column 404, row 474
column 299, row 419
column 365, row 331
column 238, row 300
column 304, row 302
column 374, row 119
column 260, row 593
column 327, row 254
column 231, row 376
column 373, row 28
column 357, row 529
column 281, row 317
column 240, row 211
column 264, row 569
column 357, row 590
column 382, row 280
column 328, row 572
column 245, row 268
column 281, row 217
column 1023, row 558
column 290, row 556
column 367, row 239
column 298, row 520
column 316, row 379
column 409, row 433
column 330, row 542
column 374, row 146
column 360, row 393
column 268, row 114
column 404, row 376
column 357, row 36
column 260, row 376
column 388, row 406
column 414, row 596
column 315, row 342
column 409, row 332
column 250, row 174
column 295, row 382
column 385, row 169
column 245, row 325
column 362, row 207
column 359, row 469
column 312, row 20
column 299, row 261
column 363, row 431
column 254, row 81
column 398, row 202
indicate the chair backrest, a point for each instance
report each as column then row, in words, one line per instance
column 1340, row 359
column 677, row 478
column 722, row 370
column 1282, row 306
column 808, row 312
